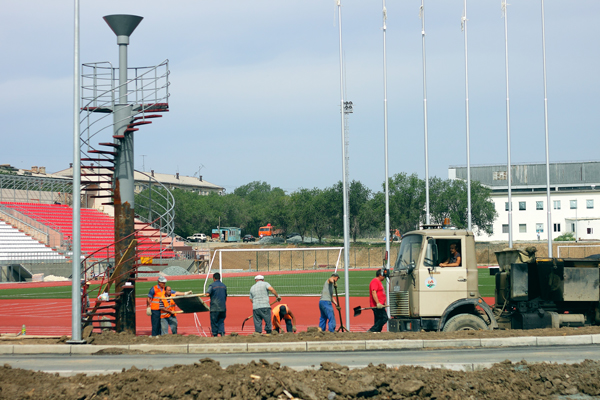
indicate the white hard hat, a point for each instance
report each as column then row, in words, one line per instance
column 162, row 279
column 259, row 277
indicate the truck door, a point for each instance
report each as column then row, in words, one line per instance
column 441, row 286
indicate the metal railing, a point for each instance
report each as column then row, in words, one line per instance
column 33, row 257
column 149, row 87
column 34, row 189
column 160, row 212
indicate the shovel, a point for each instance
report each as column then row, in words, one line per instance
column 358, row 310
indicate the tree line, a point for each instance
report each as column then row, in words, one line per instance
column 319, row 212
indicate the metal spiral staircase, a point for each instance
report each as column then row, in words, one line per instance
column 147, row 94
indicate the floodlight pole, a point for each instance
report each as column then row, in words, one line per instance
column 76, row 260
column 508, row 172
column 345, row 183
column 550, row 250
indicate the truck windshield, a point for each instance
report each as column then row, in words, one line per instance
column 409, row 251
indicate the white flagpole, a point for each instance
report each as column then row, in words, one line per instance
column 508, row 171
column 547, row 142
column 422, row 15
column 469, row 212
column 385, row 145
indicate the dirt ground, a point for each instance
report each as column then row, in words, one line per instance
column 207, row 380
column 109, row 337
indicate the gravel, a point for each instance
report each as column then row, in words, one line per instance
column 175, row 271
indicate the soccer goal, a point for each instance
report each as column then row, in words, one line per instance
column 291, row 271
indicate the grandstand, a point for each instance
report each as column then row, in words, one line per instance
column 97, row 229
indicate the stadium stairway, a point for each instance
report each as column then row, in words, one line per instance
column 16, row 246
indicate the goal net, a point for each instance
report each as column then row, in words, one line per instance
column 291, row 271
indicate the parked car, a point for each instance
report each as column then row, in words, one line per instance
column 249, row 238
column 197, row 237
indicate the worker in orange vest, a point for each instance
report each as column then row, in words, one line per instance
column 167, row 314
column 153, row 303
column 282, row 312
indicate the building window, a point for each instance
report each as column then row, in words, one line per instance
column 539, row 205
column 590, row 231
column 556, row 227
column 539, row 228
column 573, row 204
column 504, row 228
column 556, row 204
column 522, row 228
column 572, row 227
column 589, row 204
column 522, row 206
column 506, row 206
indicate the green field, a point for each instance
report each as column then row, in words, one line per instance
column 286, row 285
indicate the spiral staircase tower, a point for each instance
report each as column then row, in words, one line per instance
column 118, row 102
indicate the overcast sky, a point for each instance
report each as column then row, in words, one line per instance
column 255, row 85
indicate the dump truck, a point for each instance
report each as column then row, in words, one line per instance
column 530, row 292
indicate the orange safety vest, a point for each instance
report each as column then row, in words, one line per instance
column 276, row 320
column 169, row 304
column 158, row 293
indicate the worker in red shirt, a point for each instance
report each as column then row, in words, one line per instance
column 377, row 301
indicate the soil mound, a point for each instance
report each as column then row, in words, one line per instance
column 207, row 380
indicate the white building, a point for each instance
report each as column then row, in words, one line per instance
column 574, row 199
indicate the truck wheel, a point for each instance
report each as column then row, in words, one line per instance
column 465, row 322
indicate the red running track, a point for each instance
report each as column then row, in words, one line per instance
column 53, row 317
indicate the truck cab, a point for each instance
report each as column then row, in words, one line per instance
column 427, row 296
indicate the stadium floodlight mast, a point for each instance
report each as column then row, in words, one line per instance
column 76, row 260
column 422, row 16
column 464, row 28
column 385, row 150
column 508, row 167
column 547, row 143
column 345, row 182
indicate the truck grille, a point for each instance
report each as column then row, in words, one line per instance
column 399, row 304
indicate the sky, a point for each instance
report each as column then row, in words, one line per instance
column 255, row 85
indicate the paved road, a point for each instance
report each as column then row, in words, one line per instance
column 462, row 359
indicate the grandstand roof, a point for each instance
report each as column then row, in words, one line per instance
column 189, row 183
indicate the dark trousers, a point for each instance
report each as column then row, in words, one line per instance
column 260, row 315
column 289, row 327
column 155, row 319
column 381, row 318
column 217, row 322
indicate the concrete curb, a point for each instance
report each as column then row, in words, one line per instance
column 299, row 347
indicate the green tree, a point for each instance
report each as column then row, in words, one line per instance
column 358, row 196
column 448, row 199
column 407, row 202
